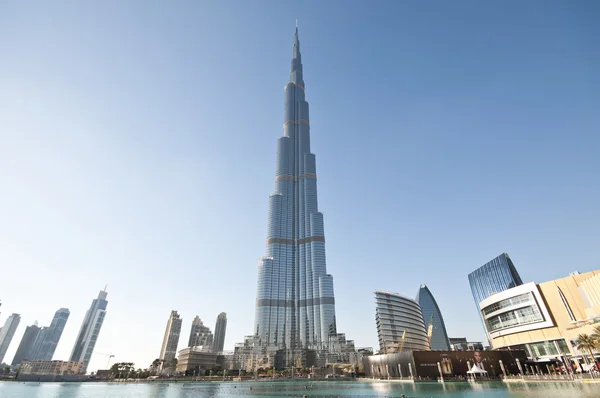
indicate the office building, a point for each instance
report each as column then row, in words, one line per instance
column 400, row 324
column 545, row 319
column 52, row 334
column 200, row 335
column 90, row 330
column 7, row 332
column 220, row 328
column 26, row 344
column 434, row 321
column 171, row 339
column 295, row 304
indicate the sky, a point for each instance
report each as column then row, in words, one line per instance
column 138, row 143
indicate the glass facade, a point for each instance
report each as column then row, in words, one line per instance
column 220, row 329
column 7, row 333
column 295, row 305
column 26, row 344
column 400, row 325
column 52, row 335
column 168, row 350
column 90, row 329
column 493, row 277
column 433, row 316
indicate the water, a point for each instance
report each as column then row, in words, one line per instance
column 295, row 389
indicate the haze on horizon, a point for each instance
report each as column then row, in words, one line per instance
column 138, row 146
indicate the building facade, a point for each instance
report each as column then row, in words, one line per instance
column 7, row 333
column 195, row 362
column 434, row 321
column 89, row 331
column 52, row 368
column 295, row 304
column 26, row 345
column 171, row 339
column 52, row 335
column 200, row 335
column 220, row 329
column 400, row 324
column 545, row 319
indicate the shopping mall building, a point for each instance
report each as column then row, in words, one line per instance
column 544, row 319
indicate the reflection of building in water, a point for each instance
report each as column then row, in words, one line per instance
column 544, row 319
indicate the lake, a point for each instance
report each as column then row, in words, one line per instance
column 321, row 389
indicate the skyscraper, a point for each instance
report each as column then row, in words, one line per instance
column 433, row 316
column 26, row 344
column 52, row 335
column 90, row 329
column 171, row 339
column 220, row 328
column 493, row 277
column 295, row 305
column 400, row 324
column 7, row 332
column 200, row 335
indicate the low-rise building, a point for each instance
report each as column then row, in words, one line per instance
column 461, row 344
column 51, row 368
column 195, row 361
column 544, row 319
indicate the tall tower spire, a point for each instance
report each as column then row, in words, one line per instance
column 295, row 304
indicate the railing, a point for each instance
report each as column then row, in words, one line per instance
column 557, row 376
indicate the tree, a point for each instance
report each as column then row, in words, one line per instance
column 596, row 335
column 588, row 343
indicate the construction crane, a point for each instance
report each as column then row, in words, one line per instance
column 109, row 358
column 430, row 330
column 395, row 347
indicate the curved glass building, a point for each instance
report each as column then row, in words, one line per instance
column 432, row 315
column 400, row 325
column 295, row 305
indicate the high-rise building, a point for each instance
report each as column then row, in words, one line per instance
column 90, row 329
column 51, row 335
column 434, row 321
column 200, row 335
column 26, row 344
column 220, row 328
column 171, row 339
column 400, row 325
column 493, row 277
column 295, row 304
column 7, row 332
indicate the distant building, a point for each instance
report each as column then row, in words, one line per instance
column 194, row 361
column 52, row 335
column 461, row 344
column 545, row 319
column 200, row 335
column 90, row 329
column 400, row 325
column 171, row 339
column 26, row 344
column 220, row 329
column 53, row 368
column 433, row 318
column 7, row 332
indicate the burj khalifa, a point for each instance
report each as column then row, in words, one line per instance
column 295, row 305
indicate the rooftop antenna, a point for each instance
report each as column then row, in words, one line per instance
column 105, row 286
column 296, row 23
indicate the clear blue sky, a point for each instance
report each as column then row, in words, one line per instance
column 137, row 149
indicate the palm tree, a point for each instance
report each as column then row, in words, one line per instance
column 586, row 342
column 596, row 335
